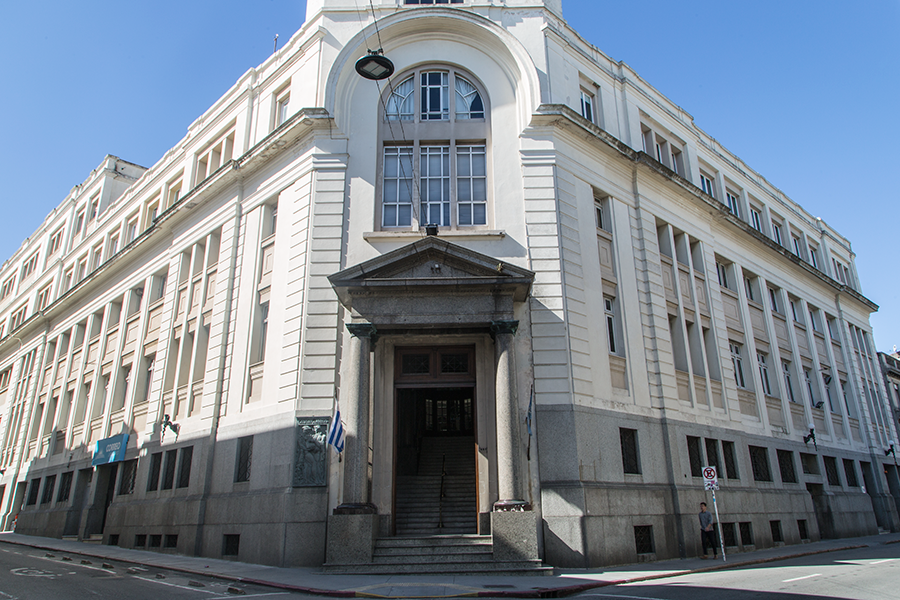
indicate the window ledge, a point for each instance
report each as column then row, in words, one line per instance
column 459, row 234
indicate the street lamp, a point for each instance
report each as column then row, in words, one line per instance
column 375, row 65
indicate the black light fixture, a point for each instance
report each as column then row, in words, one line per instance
column 811, row 437
column 890, row 450
column 375, row 65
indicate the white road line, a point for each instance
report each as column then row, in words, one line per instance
column 804, row 577
column 232, row 596
column 183, row 587
column 878, row 562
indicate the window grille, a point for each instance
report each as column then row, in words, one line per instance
column 171, row 541
column 786, row 466
column 231, row 544
column 155, row 540
column 140, row 540
column 628, row 441
column 712, row 453
column 49, row 484
column 155, row 467
column 746, row 533
column 731, row 471
column 169, row 470
column 33, row 492
column 184, row 468
column 244, row 459
column 850, row 472
column 643, row 539
column 775, row 526
column 729, row 538
column 416, row 364
column 831, row 471
column 126, row 484
column 759, row 462
column 694, row 456
column 65, row 485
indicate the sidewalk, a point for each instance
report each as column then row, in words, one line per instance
column 312, row 581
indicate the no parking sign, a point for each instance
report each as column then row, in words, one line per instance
column 710, row 478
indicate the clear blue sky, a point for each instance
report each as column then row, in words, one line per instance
column 807, row 93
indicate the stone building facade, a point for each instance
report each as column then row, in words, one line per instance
column 610, row 302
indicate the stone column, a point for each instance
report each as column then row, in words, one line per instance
column 353, row 528
column 355, row 412
column 510, row 474
column 513, row 523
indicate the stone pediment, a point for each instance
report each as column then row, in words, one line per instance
column 434, row 265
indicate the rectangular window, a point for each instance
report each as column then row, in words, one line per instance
column 155, row 468
column 263, row 330
column 609, row 310
column 231, row 544
column 764, row 373
column 170, row 541
column 65, row 487
column 168, row 478
column 244, row 459
column 776, row 233
column 643, row 539
column 734, row 204
column 94, row 208
column 729, row 459
column 729, row 536
column 795, row 242
column 434, row 185
column 8, row 287
column 435, row 98
column 802, row 529
column 49, row 484
column 677, row 164
column 30, row 265
column 737, row 363
column 775, row 526
column 814, row 257
column 471, row 185
column 755, row 219
column 722, row 271
column 809, row 389
column 813, row 321
column 746, row 530
column 773, row 301
column 831, row 471
column 79, row 222
column 850, row 473
column 33, row 492
column 96, row 257
column 628, row 442
column 129, row 471
column 706, row 184
column 712, row 454
column 131, row 230
column 114, row 245
column 786, row 466
column 694, row 457
column 788, row 387
column 587, row 106
column 184, row 467
column 795, row 313
column 759, row 462
column 397, row 187
column 832, row 328
column 43, row 298
column 18, row 317
column 748, row 288
column 55, row 242
column 282, row 107
column 810, row 463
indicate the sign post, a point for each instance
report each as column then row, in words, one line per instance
column 711, row 482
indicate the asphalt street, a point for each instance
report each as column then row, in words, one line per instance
column 871, row 573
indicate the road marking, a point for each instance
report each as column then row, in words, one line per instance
column 232, row 596
column 804, row 577
column 183, row 587
column 878, row 562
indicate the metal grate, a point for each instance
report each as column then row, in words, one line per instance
column 231, row 544
column 171, row 541
column 775, row 526
column 728, row 534
column 831, row 471
column 712, row 453
column 65, row 485
column 113, row 539
column 731, row 471
column 140, row 540
column 169, row 471
column 33, row 492
column 850, row 472
column 155, row 540
column 746, row 533
column 416, row 364
column 628, row 441
column 801, row 527
column 153, row 477
column 694, row 456
column 786, row 466
column 244, row 459
column 49, row 484
column 643, row 539
column 184, row 468
column 455, row 363
column 129, row 471
column 759, row 462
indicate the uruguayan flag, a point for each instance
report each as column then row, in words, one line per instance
column 336, row 430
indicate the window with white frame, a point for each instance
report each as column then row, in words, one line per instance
column 282, row 106
column 666, row 151
column 795, row 309
column 609, row 306
column 55, row 242
column 763, row 373
column 809, row 387
column 832, row 328
column 826, row 383
column 173, row 194
column 18, row 317
column 756, row 219
column 82, row 268
column 8, row 286
column 30, row 265
column 750, row 287
column 813, row 256
column 722, row 272
column 814, row 320
column 773, row 301
column 776, row 233
column 733, row 202
column 131, row 229
column 430, row 182
column 151, row 213
column 587, row 105
column 706, row 184
column 79, row 221
column 796, row 246
column 737, row 363
column 214, row 155
column 114, row 244
column 96, row 257
column 43, row 298
column 67, row 280
column 788, row 386
column 94, row 207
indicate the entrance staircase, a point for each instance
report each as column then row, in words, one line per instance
column 435, row 521
column 440, row 499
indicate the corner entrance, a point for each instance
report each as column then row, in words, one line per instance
column 435, row 479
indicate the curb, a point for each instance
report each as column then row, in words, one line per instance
column 554, row 592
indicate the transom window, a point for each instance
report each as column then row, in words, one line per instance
column 434, row 161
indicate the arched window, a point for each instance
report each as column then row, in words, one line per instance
column 435, row 151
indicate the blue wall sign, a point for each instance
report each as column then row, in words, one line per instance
column 110, row 450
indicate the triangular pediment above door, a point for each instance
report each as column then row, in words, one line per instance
column 432, row 265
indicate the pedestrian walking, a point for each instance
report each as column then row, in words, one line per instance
column 707, row 536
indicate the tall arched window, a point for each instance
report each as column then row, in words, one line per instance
column 434, row 133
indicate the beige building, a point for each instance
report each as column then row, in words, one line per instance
column 610, row 302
